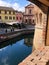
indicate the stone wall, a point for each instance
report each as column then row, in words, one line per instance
column 39, row 36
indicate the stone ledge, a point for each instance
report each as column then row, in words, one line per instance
column 38, row 57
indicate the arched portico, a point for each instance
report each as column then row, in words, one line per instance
column 33, row 59
column 44, row 6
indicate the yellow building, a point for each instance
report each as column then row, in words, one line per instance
column 7, row 14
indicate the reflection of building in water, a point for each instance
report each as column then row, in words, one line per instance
column 28, row 41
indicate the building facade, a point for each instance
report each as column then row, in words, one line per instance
column 40, row 28
column 34, row 15
column 7, row 14
column 28, row 16
column 19, row 17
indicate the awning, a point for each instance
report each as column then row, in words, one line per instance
column 11, row 23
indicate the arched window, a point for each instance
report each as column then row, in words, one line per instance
column 0, row 17
column 37, row 17
column 33, row 20
column 29, row 21
column 20, row 18
column 40, row 16
column 17, row 18
column 30, row 11
column 26, row 21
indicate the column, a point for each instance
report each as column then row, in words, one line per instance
column 47, row 35
column 38, row 35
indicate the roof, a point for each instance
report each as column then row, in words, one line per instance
column 30, row 5
column 6, row 8
column 19, row 12
column 45, row 2
column 42, row 4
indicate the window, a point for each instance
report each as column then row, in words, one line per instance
column 40, row 15
column 13, row 12
column 10, row 17
column 33, row 21
column 17, row 18
column 5, row 12
column 29, row 21
column 13, row 17
column 20, row 18
column 9, row 12
column 6, row 17
column 26, row 21
column 0, row 12
column 0, row 17
column 37, row 17
column 30, row 11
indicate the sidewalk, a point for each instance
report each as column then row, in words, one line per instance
column 3, row 31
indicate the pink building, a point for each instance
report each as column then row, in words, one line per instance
column 29, row 14
column 19, row 17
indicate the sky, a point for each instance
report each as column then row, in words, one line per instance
column 16, row 4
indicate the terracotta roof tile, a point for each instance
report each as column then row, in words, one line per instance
column 6, row 8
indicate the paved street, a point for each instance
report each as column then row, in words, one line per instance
column 8, row 30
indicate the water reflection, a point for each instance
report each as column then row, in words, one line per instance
column 14, row 51
column 28, row 41
column 14, row 40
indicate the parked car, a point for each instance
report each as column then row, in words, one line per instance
column 4, row 25
column 19, row 25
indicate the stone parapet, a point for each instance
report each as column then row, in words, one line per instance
column 38, row 37
column 38, row 57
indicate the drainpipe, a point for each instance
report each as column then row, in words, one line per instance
column 46, row 27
